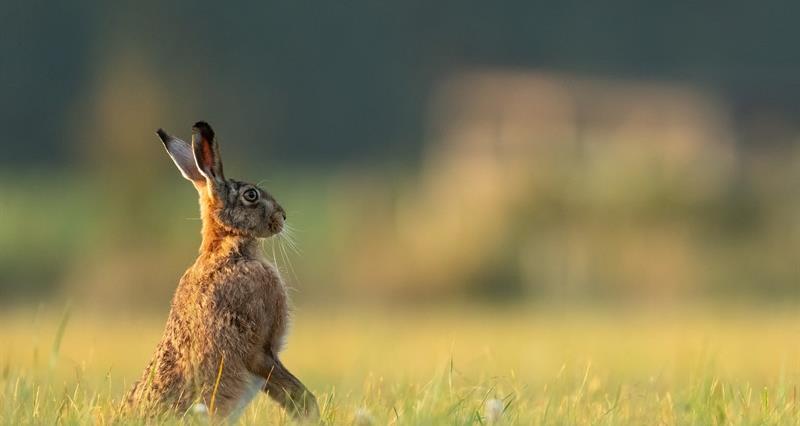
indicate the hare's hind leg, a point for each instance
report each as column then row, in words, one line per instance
column 286, row 389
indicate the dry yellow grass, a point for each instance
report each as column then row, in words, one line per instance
column 448, row 366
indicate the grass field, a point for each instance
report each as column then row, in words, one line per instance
column 453, row 366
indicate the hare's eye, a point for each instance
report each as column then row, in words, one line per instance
column 251, row 195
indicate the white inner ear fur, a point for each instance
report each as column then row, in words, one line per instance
column 183, row 157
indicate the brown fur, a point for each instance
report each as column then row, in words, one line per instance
column 230, row 312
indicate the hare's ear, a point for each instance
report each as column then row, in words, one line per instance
column 206, row 154
column 182, row 155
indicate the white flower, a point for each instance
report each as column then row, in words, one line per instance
column 493, row 410
column 199, row 408
column 363, row 417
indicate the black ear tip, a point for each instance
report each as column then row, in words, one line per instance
column 204, row 129
column 162, row 134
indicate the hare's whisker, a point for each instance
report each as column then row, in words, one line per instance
column 274, row 258
column 288, row 260
column 282, row 249
column 293, row 246
column 291, row 233
column 291, row 242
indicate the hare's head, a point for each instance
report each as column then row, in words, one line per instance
column 229, row 207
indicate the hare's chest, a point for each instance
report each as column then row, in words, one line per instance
column 268, row 285
column 275, row 306
column 252, row 298
column 267, row 290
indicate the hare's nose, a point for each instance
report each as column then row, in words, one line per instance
column 284, row 215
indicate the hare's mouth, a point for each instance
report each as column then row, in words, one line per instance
column 275, row 229
column 275, row 224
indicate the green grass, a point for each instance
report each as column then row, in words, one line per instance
column 452, row 366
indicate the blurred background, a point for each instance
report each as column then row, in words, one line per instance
column 426, row 153
column 458, row 175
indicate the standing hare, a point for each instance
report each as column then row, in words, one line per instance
column 229, row 314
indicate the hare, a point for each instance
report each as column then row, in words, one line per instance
column 229, row 315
